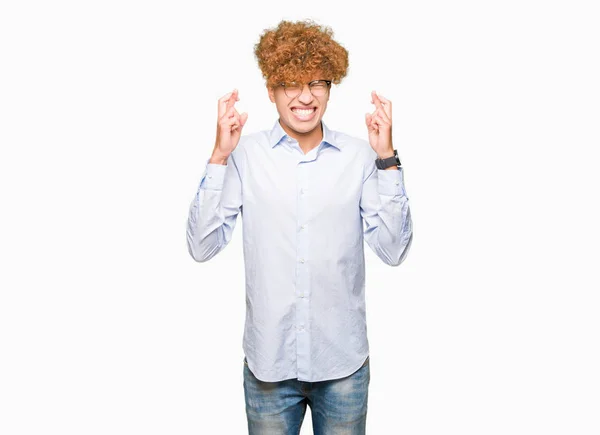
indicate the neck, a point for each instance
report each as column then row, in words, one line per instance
column 306, row 141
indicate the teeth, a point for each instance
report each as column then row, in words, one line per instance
column 303, row 112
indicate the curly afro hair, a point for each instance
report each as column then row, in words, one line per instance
column 295, row 51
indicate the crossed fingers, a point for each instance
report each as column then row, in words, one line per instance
column 227, row 101
column 383, row 108
column 227, row 109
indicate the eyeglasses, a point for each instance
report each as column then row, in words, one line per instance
column 317, row 87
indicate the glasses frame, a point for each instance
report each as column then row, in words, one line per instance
column 328, row 82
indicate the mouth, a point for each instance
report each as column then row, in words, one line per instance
column 304, row 114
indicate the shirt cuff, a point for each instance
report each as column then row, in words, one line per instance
column 213, row 177
column 391, row 182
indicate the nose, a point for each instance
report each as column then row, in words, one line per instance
column 305, row 96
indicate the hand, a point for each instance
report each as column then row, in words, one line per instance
column 229, row 125
column 379, row 124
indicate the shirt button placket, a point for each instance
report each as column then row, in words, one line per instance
column 302, row 276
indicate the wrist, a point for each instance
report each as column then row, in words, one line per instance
column 387, row 161
column 219, row 159
column 386, row 155
column 388, row 152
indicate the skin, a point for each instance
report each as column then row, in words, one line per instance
column 379, row 126
column 308, row 133
column 229, row 128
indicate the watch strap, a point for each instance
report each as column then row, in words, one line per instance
column 389, row 161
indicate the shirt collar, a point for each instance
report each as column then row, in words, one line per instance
column 278, row 133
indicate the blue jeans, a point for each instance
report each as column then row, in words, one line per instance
column 338, row 406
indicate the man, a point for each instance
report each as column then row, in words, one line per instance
column 304, row 192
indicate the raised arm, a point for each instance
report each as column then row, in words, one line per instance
column 384, row 205
column 218, row 200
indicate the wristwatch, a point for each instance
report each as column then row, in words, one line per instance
column 390, row 161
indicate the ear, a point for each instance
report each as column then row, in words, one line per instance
column 271, row 94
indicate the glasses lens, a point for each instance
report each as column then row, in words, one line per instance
column 318, row 89
column 292, row 89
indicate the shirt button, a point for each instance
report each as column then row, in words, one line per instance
column 302, row 260
column 210, row 176
column 302, row 295
column 397, row 183
column 301, row 328
column 302, row 227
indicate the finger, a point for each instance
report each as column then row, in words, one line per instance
column 379, row 103
column 243, row 118
column 370, row 121
column 223, row 104
column 234, row 123
column 383, row 114
column 387, row 105
column 235, row 118
column 232, row 99
column 227, row 101
column 234, row 112
column 375, row 99
column 239, row 121
column 380, row 112
column 381, row 120
column 230, row 114
column 383, row 103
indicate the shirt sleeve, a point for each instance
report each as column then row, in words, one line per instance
column 214, row 209
column 385, row 210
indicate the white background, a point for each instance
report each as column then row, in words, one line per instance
column 107, row 116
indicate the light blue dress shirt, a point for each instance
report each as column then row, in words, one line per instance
column 303, row 232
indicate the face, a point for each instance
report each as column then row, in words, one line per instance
column 300, row 123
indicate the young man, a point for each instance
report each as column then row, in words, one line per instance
column 304, row 192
